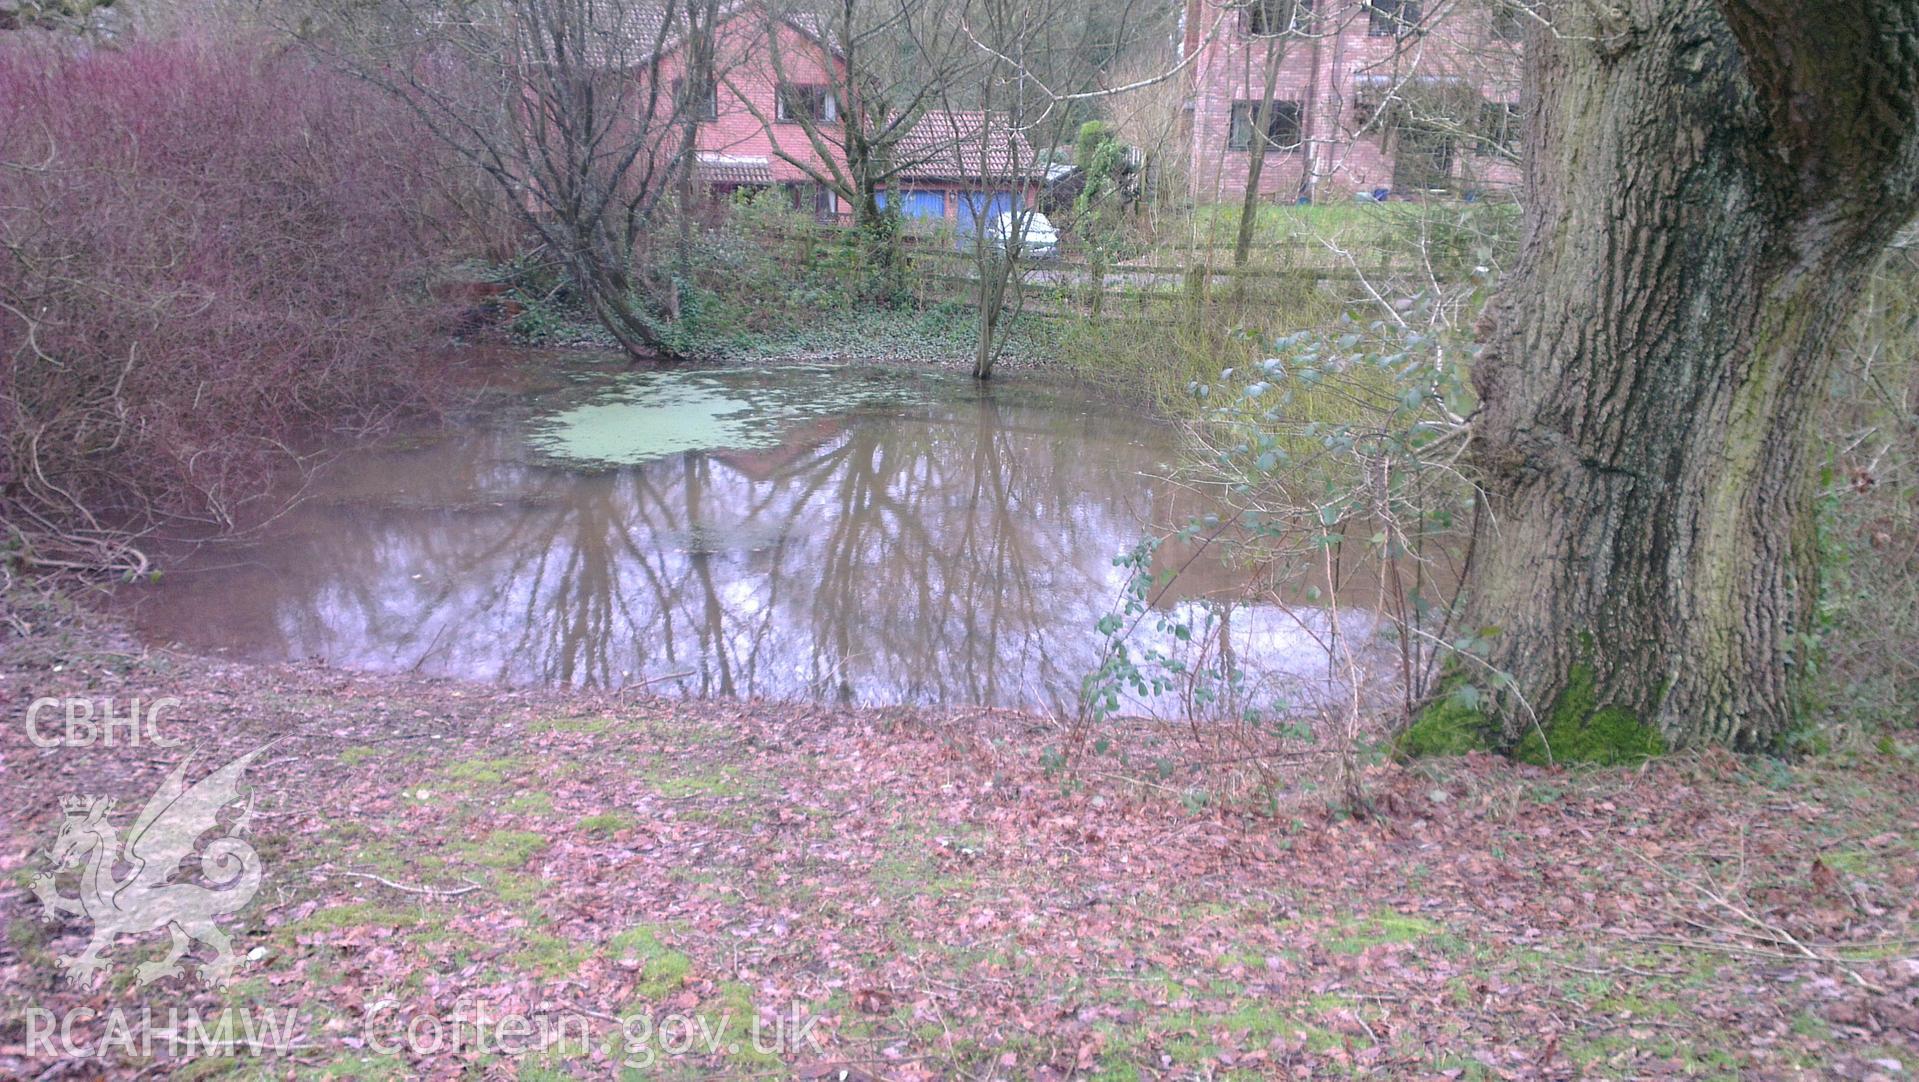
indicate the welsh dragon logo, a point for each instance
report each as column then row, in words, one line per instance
column 144, row 900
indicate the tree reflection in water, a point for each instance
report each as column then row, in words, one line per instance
column 953, row 552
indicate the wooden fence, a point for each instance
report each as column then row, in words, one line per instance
column 1154, row 292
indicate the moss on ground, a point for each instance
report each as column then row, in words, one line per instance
column 531, row 802
column 606, row 822
column 388, row 1066
column 1377, row 929
column 483, row 771
column 723, row 781
column 30, row 936
column 734, row 1019
column 338, row 918
column 515, row 889
column 549, row 956
column 662, row 969
column 593, row 726
column 504, row 848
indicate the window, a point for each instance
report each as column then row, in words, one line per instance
column 1282, row 125
column 1391, row 18
column 798, row 101
column 706, row 109
column 1498, row 128
column 1266, row 18
column 1508, row 22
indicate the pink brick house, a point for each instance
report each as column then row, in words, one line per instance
column 744, row 106
column 1369, row 95
column 767, row 70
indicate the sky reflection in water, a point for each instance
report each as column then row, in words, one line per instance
column 871, row 538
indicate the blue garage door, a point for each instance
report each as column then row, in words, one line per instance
column 976, row 207
column 926, row 204
column 918, row 204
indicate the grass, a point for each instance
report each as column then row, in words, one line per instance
column 483, row 771
column 504, row 849
column 1158, row 361
column 662, row 969
column 607, row 822
column 1356, row 935
column 1276, row 223
column 702, row 781
column 1394, row 226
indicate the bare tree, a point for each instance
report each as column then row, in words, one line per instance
column 887, row 62
column 570, row 107
column 1043, row 65
column 1151, row 120
column 1273, row 22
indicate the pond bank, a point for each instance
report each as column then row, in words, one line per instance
column 930, row 899
column 916, row 337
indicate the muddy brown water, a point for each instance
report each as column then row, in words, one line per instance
column 829, row 534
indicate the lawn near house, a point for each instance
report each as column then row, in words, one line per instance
column 899, row 894
column 1290, row 233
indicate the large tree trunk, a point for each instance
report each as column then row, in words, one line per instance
column 1709, row 181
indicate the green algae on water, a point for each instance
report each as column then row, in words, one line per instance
column 654, row 415
column 657, row 421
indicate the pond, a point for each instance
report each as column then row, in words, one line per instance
column 841, row 535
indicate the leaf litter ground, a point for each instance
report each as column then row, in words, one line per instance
column 913, row 894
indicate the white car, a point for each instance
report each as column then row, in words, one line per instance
column 1040, row 240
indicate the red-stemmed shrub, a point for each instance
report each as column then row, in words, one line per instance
column 206, row 251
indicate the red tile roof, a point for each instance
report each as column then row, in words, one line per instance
column 952, row 145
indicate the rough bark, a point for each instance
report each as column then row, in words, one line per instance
column 1709, row 181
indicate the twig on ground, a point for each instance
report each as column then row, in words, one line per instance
column 633, row 685
column 1772, row 933
column 443, row 892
